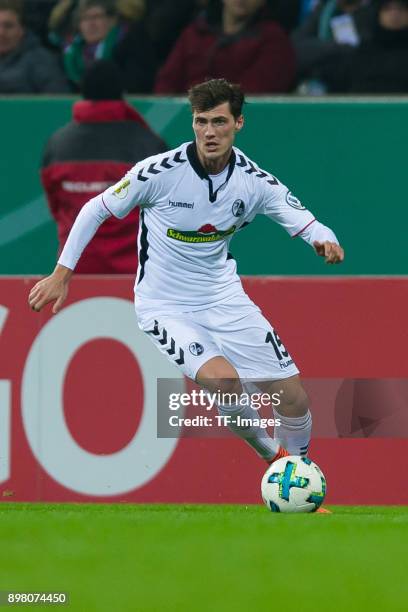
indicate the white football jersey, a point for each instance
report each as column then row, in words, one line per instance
column 188, row 220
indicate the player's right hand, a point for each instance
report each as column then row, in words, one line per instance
column 53, row 288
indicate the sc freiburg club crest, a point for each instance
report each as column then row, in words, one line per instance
column 238, row 208
column 196, row 349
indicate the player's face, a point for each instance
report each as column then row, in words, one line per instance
column 215, row 131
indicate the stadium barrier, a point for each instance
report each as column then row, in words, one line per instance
column 78, row 410
column 344, row 158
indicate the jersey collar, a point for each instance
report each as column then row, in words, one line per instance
column 195, row 163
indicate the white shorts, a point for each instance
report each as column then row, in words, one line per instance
column 236, row 330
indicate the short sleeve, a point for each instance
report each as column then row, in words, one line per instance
column 280, row 205
column 134, row 189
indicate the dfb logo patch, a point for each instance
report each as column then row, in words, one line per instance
column 122, row 191
column 238, row 208
column 196, row 349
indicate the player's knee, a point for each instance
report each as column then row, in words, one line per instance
column 223, row 386
column 219, row 376
column 295, row 403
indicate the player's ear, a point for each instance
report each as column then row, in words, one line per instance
column 239, row 123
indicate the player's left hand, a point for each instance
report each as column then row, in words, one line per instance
column 332, row 252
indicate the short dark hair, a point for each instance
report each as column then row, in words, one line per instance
column 207, row 95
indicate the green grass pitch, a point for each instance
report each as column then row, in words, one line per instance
column 151, row 558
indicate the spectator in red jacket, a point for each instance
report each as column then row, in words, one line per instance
column 104, row 140
column 233, row 40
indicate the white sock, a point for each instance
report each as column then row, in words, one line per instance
column 265, row 446
column 294, row 433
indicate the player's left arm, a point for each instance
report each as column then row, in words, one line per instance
column 324, row 242
column 280, row 205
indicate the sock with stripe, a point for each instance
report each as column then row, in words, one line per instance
column 294, row 433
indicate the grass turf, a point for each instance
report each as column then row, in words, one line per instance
column 147, row 558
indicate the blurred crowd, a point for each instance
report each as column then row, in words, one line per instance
column 310, row 47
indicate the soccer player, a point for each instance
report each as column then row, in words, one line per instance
column 189, row 298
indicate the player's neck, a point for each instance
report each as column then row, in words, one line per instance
column 214, row 166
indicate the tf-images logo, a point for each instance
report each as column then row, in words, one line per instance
column 196, row 349
column 238, row 208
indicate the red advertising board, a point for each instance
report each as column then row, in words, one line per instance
column 78, row 396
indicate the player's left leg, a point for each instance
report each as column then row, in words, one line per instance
column 293, row 412
column 253, row 347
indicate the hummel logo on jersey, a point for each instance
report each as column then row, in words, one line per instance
column 196, row 349
column 206, row 233
column 181, row 204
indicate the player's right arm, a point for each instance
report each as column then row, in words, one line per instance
column 118, row 201
column 54, row 288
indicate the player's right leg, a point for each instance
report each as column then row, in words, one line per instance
column 192, row 349
column 219, row 376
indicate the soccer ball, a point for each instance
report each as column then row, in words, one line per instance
column 293, row 484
